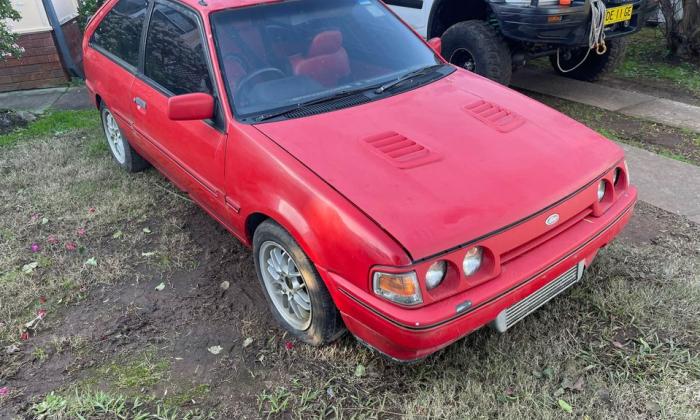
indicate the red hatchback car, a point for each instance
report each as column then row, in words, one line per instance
column 383, row 191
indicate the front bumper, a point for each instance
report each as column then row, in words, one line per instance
column 532, row 23
column 407, row 334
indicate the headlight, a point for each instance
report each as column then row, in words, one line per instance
column 601, row 190
column 472, row 261
column 435, row 274
column 398, row 287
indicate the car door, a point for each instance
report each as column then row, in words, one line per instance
column 112, row 58
column 176, row 62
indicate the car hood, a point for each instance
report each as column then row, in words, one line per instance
column 448, row 162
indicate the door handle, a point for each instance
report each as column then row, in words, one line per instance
column 140, row 102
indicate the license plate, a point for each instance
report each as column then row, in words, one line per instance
column 618, row 14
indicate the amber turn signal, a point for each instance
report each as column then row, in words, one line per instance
column 398, row 287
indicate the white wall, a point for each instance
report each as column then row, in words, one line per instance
column 34, row 17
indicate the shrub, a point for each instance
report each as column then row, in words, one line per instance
column 8, row 47
column 87, row 8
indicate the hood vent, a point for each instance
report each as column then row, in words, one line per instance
column 399, row 150
column 493, row 115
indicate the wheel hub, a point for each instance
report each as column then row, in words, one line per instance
column 463, row 58
column 285, row 285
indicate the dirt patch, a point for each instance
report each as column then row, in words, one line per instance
column 11, row 120
column 191, row 314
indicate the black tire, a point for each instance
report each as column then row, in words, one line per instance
column 478, row 47
column 595, row 66
column 130, row 160
column 326, row 324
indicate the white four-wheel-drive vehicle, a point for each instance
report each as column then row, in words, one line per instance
column 584, row 39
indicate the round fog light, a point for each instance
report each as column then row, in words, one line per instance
column 435, row 274
column 601, row 190
column 472, row 261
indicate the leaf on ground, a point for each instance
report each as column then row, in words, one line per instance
column 91, row 261
column 118, row 234
column 225, row 285
column 146, row 230
column 148, row 254
column 28, row 268
column 248, row 341
column 215, row 349
column 618, row 345
column 548, row 373
column 565, row 406
column 44, row 221
column 160, row 287
column 11, row 349
column 360, row 370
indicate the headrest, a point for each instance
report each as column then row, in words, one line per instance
column 327, row 42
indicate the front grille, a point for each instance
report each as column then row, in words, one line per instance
column 511, row 316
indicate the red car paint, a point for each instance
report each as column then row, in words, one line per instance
column 494, row 166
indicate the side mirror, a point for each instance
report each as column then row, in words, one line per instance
column 191, row 106
column 436, row 45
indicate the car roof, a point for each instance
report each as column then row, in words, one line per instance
column 208, row 6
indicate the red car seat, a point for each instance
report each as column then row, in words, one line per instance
column 326, row 61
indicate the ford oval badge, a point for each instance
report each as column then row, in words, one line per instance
column 551, row 220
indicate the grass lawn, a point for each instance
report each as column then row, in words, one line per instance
column 648, row 58
column 675, row 143
column 148, row 309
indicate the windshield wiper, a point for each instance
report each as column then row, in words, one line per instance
column 334, row 97
column 410, row 75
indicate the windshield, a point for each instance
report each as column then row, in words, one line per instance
column 281, row 54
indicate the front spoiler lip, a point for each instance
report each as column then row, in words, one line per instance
column 499, row 296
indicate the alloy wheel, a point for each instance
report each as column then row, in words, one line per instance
column 114, row 136
column 285, row 285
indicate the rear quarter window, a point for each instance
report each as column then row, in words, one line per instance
column 119, row 33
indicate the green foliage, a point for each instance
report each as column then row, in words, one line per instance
column 648, row 57
column 8, row 47
column 86, row 8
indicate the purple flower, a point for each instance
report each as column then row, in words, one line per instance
column 4, row 391
column 35, row 248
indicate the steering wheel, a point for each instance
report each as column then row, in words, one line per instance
column 243, row 84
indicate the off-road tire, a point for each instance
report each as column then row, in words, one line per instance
column 326, row 324
column 491, row 54
column 595, row 66
column 132, row 162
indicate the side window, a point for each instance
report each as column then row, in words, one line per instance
column 120, row 31
column 174, row 52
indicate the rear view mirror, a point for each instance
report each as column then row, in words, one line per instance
column 436, row 45
column 191, row 106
